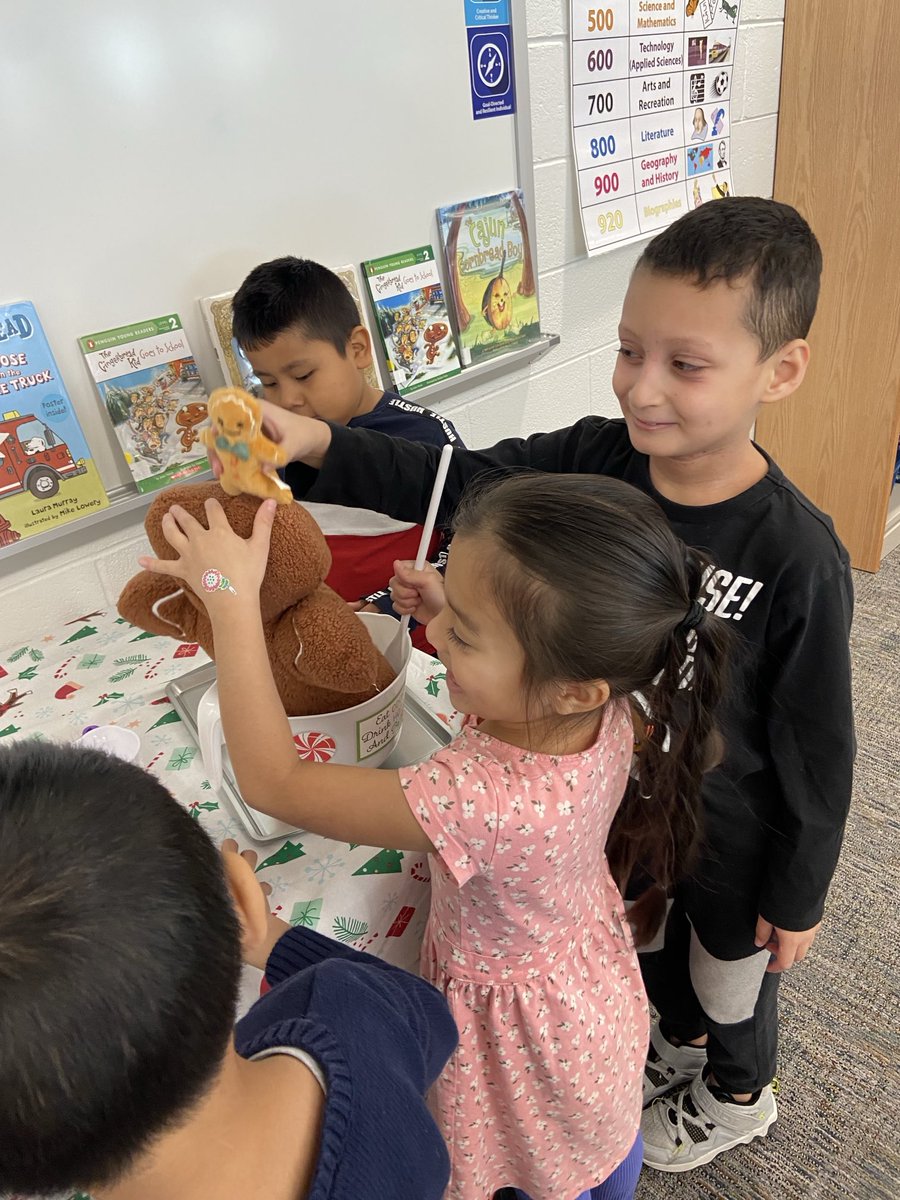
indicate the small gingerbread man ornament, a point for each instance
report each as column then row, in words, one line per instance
column 235, row 433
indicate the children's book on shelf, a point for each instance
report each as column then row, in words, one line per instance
column 409, row 307
column 148, row 381
column 490, row 275
column 47, row 473
column 235, row 367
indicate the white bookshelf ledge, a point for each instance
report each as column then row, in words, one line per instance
column 124, row 501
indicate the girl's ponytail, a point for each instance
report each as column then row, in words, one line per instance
column 657, row 827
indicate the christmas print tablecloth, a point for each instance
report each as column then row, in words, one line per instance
column 97, row 669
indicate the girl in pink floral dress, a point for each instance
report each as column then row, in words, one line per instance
column 564, row 595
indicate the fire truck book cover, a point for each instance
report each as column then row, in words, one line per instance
column 490, row 275
column 408, row 303
column 151, row 389
column 235, row 367
column 47, row 473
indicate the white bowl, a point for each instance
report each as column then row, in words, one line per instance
column 362, row 735
column 113, row 739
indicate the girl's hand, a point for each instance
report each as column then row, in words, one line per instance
column 418, row 593
column 215, row 562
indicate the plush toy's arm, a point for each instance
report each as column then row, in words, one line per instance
column 323, row 642
column 143, row 602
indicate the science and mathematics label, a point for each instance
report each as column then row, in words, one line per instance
column 651, row 112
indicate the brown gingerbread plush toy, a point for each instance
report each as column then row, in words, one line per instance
column 247, row 455
column 322, row 657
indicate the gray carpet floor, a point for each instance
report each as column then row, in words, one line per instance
column 838, row 1133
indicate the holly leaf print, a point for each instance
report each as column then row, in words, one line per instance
column 433, row 685
column 288, row 853
column 28, row 673
column 306, row 913
column 206, row 805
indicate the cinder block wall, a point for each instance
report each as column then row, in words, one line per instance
column 580, row 299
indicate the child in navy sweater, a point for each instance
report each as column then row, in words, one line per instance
column 120, row 1071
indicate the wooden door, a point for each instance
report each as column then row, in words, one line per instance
column 838, row 162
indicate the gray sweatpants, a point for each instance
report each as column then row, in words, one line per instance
column 704, row 974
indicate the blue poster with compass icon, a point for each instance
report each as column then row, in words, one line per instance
column 491, row 71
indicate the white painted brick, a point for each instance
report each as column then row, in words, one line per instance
column 559, row 218
column 544, row 18
column 550, row 399
column 761, row 47
column 117, row 565
column 753, row 156
column 41, row 601
column 762, row 10
column 583, row 301
column 550, row 120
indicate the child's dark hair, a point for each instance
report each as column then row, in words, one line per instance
column 292, row 293
column 747, row 238
column 597, row 586
column 119, row 965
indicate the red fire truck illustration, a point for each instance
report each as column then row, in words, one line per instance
column 33, row 458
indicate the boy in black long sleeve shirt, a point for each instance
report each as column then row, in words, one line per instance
column 713, row 326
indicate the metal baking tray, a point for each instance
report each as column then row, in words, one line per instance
column 420, row 735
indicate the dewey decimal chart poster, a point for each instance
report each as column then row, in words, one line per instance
column 651, row 112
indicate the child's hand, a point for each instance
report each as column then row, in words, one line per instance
column 256, row 954
column 216, row 562
column 418, row 593
column 786, row 946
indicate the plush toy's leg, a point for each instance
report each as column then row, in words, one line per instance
column 229, row 486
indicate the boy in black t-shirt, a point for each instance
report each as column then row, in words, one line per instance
column 713, row 327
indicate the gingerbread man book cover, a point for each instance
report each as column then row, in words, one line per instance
column 151, row 389
column 411, row 314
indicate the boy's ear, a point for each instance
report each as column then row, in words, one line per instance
column 572, row 698
column 359, row 347
column 788, row 369
column 249, row 900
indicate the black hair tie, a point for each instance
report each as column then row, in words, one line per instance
column 693, row 616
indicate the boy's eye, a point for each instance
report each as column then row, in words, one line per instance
column 454, row 637
column 680, row 365
column 267, row 383
column 303, row 378
column 626, row 353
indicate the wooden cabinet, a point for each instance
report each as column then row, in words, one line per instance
column 838, row 162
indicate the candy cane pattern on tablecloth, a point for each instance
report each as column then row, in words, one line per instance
column 314, row 747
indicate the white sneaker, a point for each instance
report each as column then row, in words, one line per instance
column 690, row 1127
column 667, row 1065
